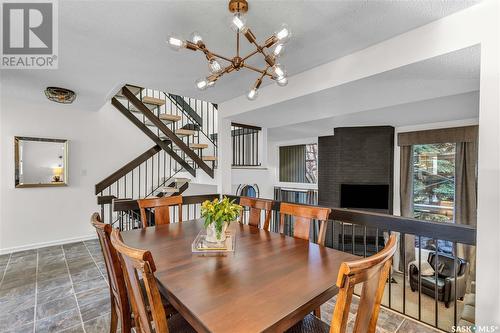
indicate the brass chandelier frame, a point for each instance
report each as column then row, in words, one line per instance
column 239, row 7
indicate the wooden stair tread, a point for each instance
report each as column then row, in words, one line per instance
column 168, row 189
column 198, row 145
column 182, row 131
column 182, row 180
column 209, row 158
column 134, row 109
column 153, row 100
column 170, row 117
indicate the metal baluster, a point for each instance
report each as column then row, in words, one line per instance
column 353, row 236
column 390, row 279
column 343, row 233
column 419, row 278
column 364, row 241
column 455, row 265
column 257, row 149
column 403, row 237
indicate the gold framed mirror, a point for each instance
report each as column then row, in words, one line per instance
column 40, row 162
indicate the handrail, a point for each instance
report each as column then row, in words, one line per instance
column 99, row 187
column 458, row 233
column 185, row 107
column 131, row 204
column 189, row 115
column 163, row 128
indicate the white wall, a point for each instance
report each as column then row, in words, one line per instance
column 99, row 143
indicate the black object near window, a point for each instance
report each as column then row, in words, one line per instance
column 364, row 196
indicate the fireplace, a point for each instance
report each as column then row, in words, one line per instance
column 364, row 196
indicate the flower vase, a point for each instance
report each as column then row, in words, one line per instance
column 212, row 233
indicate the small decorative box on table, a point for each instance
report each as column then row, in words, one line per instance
column 202, row 246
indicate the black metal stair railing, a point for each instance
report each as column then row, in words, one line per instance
column 145, row 176
column 146, row 108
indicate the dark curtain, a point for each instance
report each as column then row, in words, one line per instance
column 407, row 245
column 466, row 196
column 293, row 164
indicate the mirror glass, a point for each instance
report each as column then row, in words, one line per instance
column 41, row 162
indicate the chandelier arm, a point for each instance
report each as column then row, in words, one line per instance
column 250, row 54
column 263, row 72
column 221, row 57
column 238, row 43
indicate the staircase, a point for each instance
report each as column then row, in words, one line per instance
column 182, row 131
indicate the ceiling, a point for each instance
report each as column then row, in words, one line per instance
column 103, row 44
column 376, row 99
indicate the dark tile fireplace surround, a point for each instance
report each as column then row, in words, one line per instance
column 358, row 161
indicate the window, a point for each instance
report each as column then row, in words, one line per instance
column 434, row 187
column 299, row 164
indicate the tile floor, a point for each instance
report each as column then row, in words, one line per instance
column 64, row 289
column 54, row 289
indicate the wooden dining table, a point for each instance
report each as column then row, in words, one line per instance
column 268, row 284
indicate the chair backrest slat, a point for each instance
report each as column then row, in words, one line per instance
column 372, row 272
column 116, row 280
column 161, row 208
column 303, row 216
column 135, row 262
column 256, row 207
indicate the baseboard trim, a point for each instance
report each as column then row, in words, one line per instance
column 45, row 244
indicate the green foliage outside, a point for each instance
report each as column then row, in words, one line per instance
column 434, row 180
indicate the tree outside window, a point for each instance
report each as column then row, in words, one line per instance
column 434, row 187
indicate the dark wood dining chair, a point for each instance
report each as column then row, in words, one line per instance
column 161, row 208
column 256, row 206
column 137, row 262
column 303, row 216
column 372, row 272
column 120, row 307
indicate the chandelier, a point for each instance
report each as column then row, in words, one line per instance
column 219, row 65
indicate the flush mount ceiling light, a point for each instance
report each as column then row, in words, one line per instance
column 217, row 68
column 60, row 95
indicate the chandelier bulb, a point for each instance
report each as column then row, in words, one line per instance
column 202, row 84
column 210, row 84
column 278, row 71
column 279, row 50
column 176, row 43
column 252, row 94
column 238, row 22
column 214, row 66
column 196, row 37
column 284, row 34
column 282, row 81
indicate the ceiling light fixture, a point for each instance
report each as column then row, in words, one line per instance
column 273, row 70
column 60, row 95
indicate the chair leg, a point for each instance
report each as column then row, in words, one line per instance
column 114, row 318
column 317, row 312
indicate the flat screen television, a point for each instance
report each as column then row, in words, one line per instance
column 364, row 196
